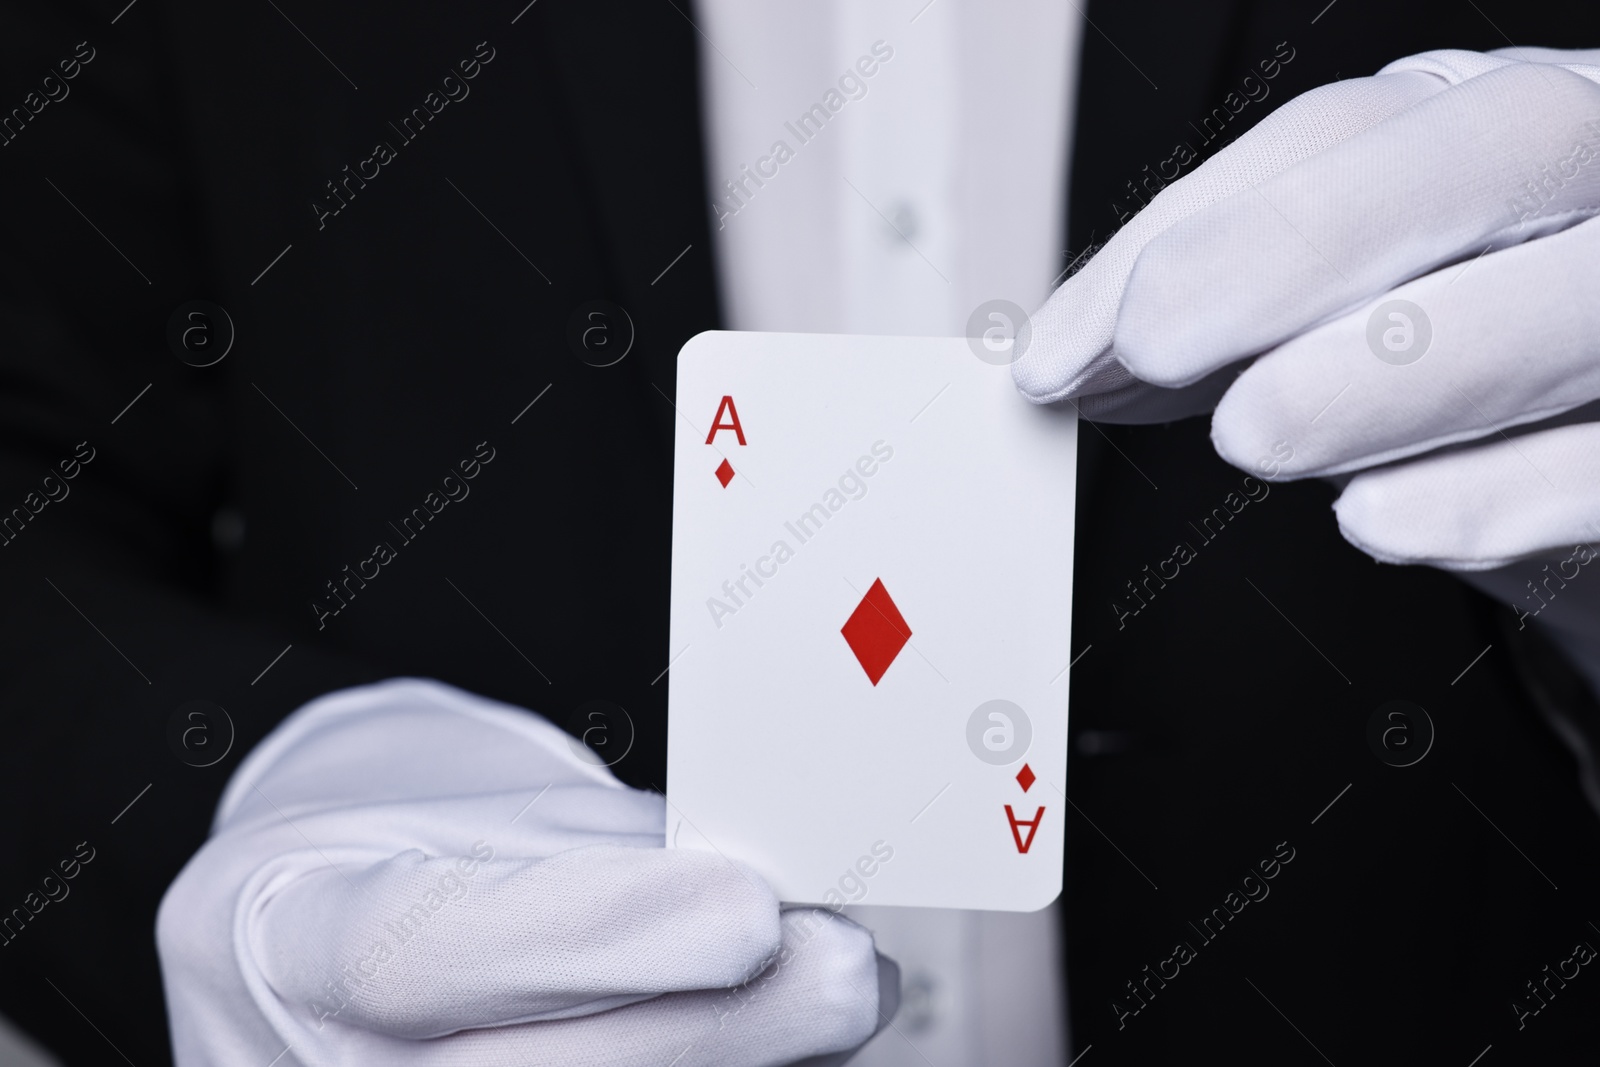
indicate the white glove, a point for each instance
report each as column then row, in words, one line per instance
column 1459, row 182
column 378, row 889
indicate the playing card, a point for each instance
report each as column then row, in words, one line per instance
column 871, row 607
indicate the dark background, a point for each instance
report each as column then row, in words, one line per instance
column 380, row 350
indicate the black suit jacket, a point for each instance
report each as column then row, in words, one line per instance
column 396, row 311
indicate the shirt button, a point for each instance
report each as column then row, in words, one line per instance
column 919, row 1010
column 904, row 219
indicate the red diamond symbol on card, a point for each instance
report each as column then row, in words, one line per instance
column 725, row 473
column 876, row 631
column 1025, row 777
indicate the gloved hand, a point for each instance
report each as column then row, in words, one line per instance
column 405, row 874
column 1265, row 283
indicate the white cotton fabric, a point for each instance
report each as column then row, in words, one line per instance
column 1360, row 169
column 1431, row 185
column 1465, row 184
column 1072, row 356
column 408, row 874
column 1515, row 339
column 1480, row 508
column 960, row 141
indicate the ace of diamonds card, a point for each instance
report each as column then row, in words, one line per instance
column 870, row 635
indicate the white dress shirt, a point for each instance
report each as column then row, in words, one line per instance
column 937, row 184
column 922, row 172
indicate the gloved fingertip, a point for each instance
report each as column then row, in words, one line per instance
column 1359, row 511
column 888, row 1006
column 840, row 966
column 1236, row 445
column 733, row 897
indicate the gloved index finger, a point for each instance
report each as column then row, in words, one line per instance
column 1071, row 353
column 1438, row 182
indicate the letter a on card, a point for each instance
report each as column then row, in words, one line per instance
column 731, row 424
column 1033, row 827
